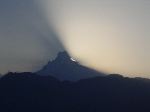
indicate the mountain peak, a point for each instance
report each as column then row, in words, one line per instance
column 66, row 68
column 63, row 56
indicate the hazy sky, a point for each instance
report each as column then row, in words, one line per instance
column 27, row 41
column 108, row 35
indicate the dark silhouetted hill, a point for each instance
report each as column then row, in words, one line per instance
column 28, row 92
column 64, row 68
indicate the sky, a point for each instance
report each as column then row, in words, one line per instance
column 108, row 35
column 27, row 41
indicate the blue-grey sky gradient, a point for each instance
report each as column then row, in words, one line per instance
column 26, row 39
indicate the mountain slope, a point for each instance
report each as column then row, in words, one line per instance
column 65, row 68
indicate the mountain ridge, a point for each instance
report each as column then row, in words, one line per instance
column 22, row 92
column 66, row 68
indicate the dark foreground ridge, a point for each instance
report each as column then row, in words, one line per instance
column 64, row 68
column 28, row 92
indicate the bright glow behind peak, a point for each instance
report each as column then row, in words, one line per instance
column 72, row 59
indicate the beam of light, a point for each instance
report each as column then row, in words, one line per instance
column 108, row 35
